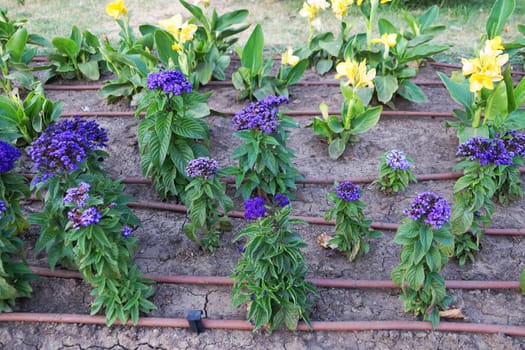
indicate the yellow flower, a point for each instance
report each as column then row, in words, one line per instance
column 340, row 7
column 181, row 31
column 205, row 3
column 175, row 47
column 116, row 8
column 356, row 73
column 360, row 2
column 311, row 8
column 485, row 69
column 172, row 24
column 389, row 40
column 288, row 58
column 186, row 32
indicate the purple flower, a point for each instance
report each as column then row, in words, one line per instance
column 281, row 200
column 261, row 115
column 90, row 216
column 64, row 145
column 171, row 81
column 514, row 143
column 347, row 191
column 8, row 156
column 486, row 151
column 396, row 159
column 3, row 208
column 254, row 208
column 431, row 207
column 126, row 231
column 78, row 195
column 203, row 166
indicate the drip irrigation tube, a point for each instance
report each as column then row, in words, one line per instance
column 288, row 113
column 327, row 326
column 313, row 220
column 319, row 282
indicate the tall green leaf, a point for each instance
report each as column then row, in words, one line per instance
column 498, row 16
column 252, row 54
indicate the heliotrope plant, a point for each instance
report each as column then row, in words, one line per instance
column 264, row 160
column 489, row 170
column 66, row 151
column 356, row 115
column 270, row 276
column 425, row 235
column 171, row 133
column 14, row 272
column 395, row 171
column 207, row 203
column 99, row 233
column 351, row 227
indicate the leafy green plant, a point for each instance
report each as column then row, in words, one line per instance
column 207, row 203
column 395, row 171
column 15, row 54
column 171, row 134
column 22, row 121
column 489, row 170
column 270, row 276
column 264, row 160
column 14, row 272
column 99, row 234
column 76, row 57
column 68, row 151
column 356, row 116
column 425, row 236
column 351, row 227
column 204, row 55
column 132, row 60
column 489, row 98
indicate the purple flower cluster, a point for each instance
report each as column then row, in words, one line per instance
column 3, row 208
column 281, row 200
column 254, row 208
column 126, row 231
column 8, row 156
column 396, row 159
column 515, row 143
column 431, row 207
column 171, row 81
column 78, row 195
column 260, row 115
column 90, row 216
column 486, row 151
column 65, row 144
column 202, row 166
column 348, row 191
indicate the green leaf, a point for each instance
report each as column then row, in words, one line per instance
column 197, row 13
column 230, row 18
column 415, row 276
column 335, row 125
column 500, row 12
column 460, row 92
column 497, row 103
column 515, row 120
column 336, row 148
column 253, row 50
column 17, row 44
column 412, row 92
column 386, row 86
column 189, row 128
column 90, row 70
column 163, row 133
column 522, row 281
column 469, row 132
column 163, row 43
column 67, row 47
column 367, row 120
column 323, row 66
column 296, row 72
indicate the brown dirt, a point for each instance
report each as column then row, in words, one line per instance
column 163, row 248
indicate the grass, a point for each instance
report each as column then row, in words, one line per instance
column 280, row 19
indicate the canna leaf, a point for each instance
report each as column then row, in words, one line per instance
column 499, row 14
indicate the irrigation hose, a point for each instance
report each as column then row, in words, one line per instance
column 306, row 113
column 326, row 326
column 319, row 282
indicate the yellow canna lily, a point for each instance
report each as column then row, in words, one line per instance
column 204, row 3
column 360, row 2
column 389, row 40
column 340, row 7
column 478, row 81
column 485, row 69
column 182, row 31
column 356, row 73
column 288, row 58
column 493, row 46
column 172, row 24
column 186, row 32
column 311, row 8
column 116, row 8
